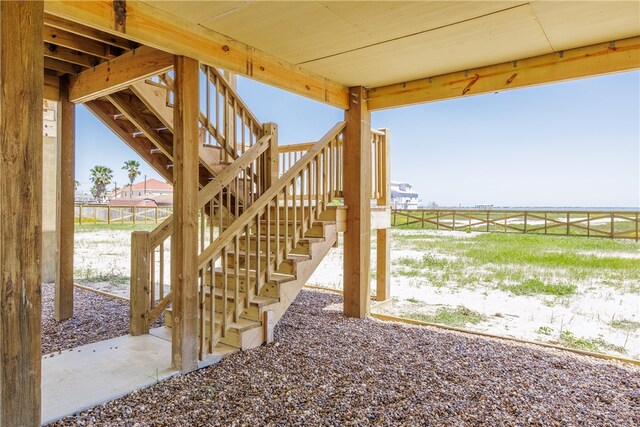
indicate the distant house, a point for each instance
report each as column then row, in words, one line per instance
column 403, row 197
column 151, row 188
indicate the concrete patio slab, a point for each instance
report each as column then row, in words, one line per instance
column 77, row 379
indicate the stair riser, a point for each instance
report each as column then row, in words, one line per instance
column 286, row 267
column 302, row 248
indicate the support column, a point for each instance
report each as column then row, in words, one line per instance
column 184, row 250
column 383, row 241
column 63, row 308
column 50, row 189
column 357, row 197
column 21, row 94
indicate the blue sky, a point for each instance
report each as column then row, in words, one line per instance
column 575, row 143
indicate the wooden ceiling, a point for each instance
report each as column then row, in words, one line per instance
column 380, row 43
column 70, row 48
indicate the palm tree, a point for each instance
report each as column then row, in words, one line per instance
column 100, row 177
column 133, row 170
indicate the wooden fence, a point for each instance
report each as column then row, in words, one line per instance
column 614, row 225
column 105, row 214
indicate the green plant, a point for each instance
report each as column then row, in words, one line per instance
column 545, row 330
column 458, row 316
column 536, row 286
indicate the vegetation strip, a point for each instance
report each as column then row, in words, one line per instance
column 503, row 337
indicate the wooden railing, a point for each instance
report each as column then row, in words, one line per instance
column 112, row 214
column 225, row 120
column 614, row 225
column 245, row 263
column 290, row 154
column 220, row 203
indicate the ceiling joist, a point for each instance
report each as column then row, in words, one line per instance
column 598, row 59
column 150, row 26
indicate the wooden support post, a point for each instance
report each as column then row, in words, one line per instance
column 63, row 307
column 357, row 194
column 21, row 94
column 271, row 171
column 184, row 251
column 383, row 238
column 139, row 301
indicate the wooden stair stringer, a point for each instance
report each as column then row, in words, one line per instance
column 291, row 288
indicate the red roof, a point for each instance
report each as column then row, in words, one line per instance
column 152, row 184
column 133, row 202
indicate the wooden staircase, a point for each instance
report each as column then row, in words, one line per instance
column 266, row 219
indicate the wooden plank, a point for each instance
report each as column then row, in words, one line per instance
column 61, row 66
column 383, row 238
column 588, row 61
column 150, row 26
column 68, row 55
column 51, row 87
column 21, row 78
column 63, row 306
column 119, row 73
column 71, row 41
column 357, row 194
column 184, row 250
column 86, row 32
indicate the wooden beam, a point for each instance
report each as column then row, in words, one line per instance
column 119, row 73
column 68, row 55
column 86, row 32
column 184, row 242
column 21, row 81
column 51, row 87
column 63, row 305
column 383, row 235
column 357, row 193
column 594, row 60
column 61, row 66
column 74, row 42
column 150, row 26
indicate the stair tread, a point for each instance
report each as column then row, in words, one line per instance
column 275, row 277
column 260, row 300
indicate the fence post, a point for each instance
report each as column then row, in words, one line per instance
column 488, row 221
column 79, row 214
column 545, row 223
column 524, row 231
column 454, row 221
column 134, row 215
column 140, row 303
column 108, row 214
column 613, row 217
column 568, row 222
column 588, row 224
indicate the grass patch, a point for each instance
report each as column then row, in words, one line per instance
column 459, row 316
column 625, row 325
column 538, row 287
column 596, row 345
column 89, row 275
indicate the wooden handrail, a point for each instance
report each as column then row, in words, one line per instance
column 260, row 204
column 229, row 174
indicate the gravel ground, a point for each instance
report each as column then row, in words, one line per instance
column 96, row 318
column 325, row 369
